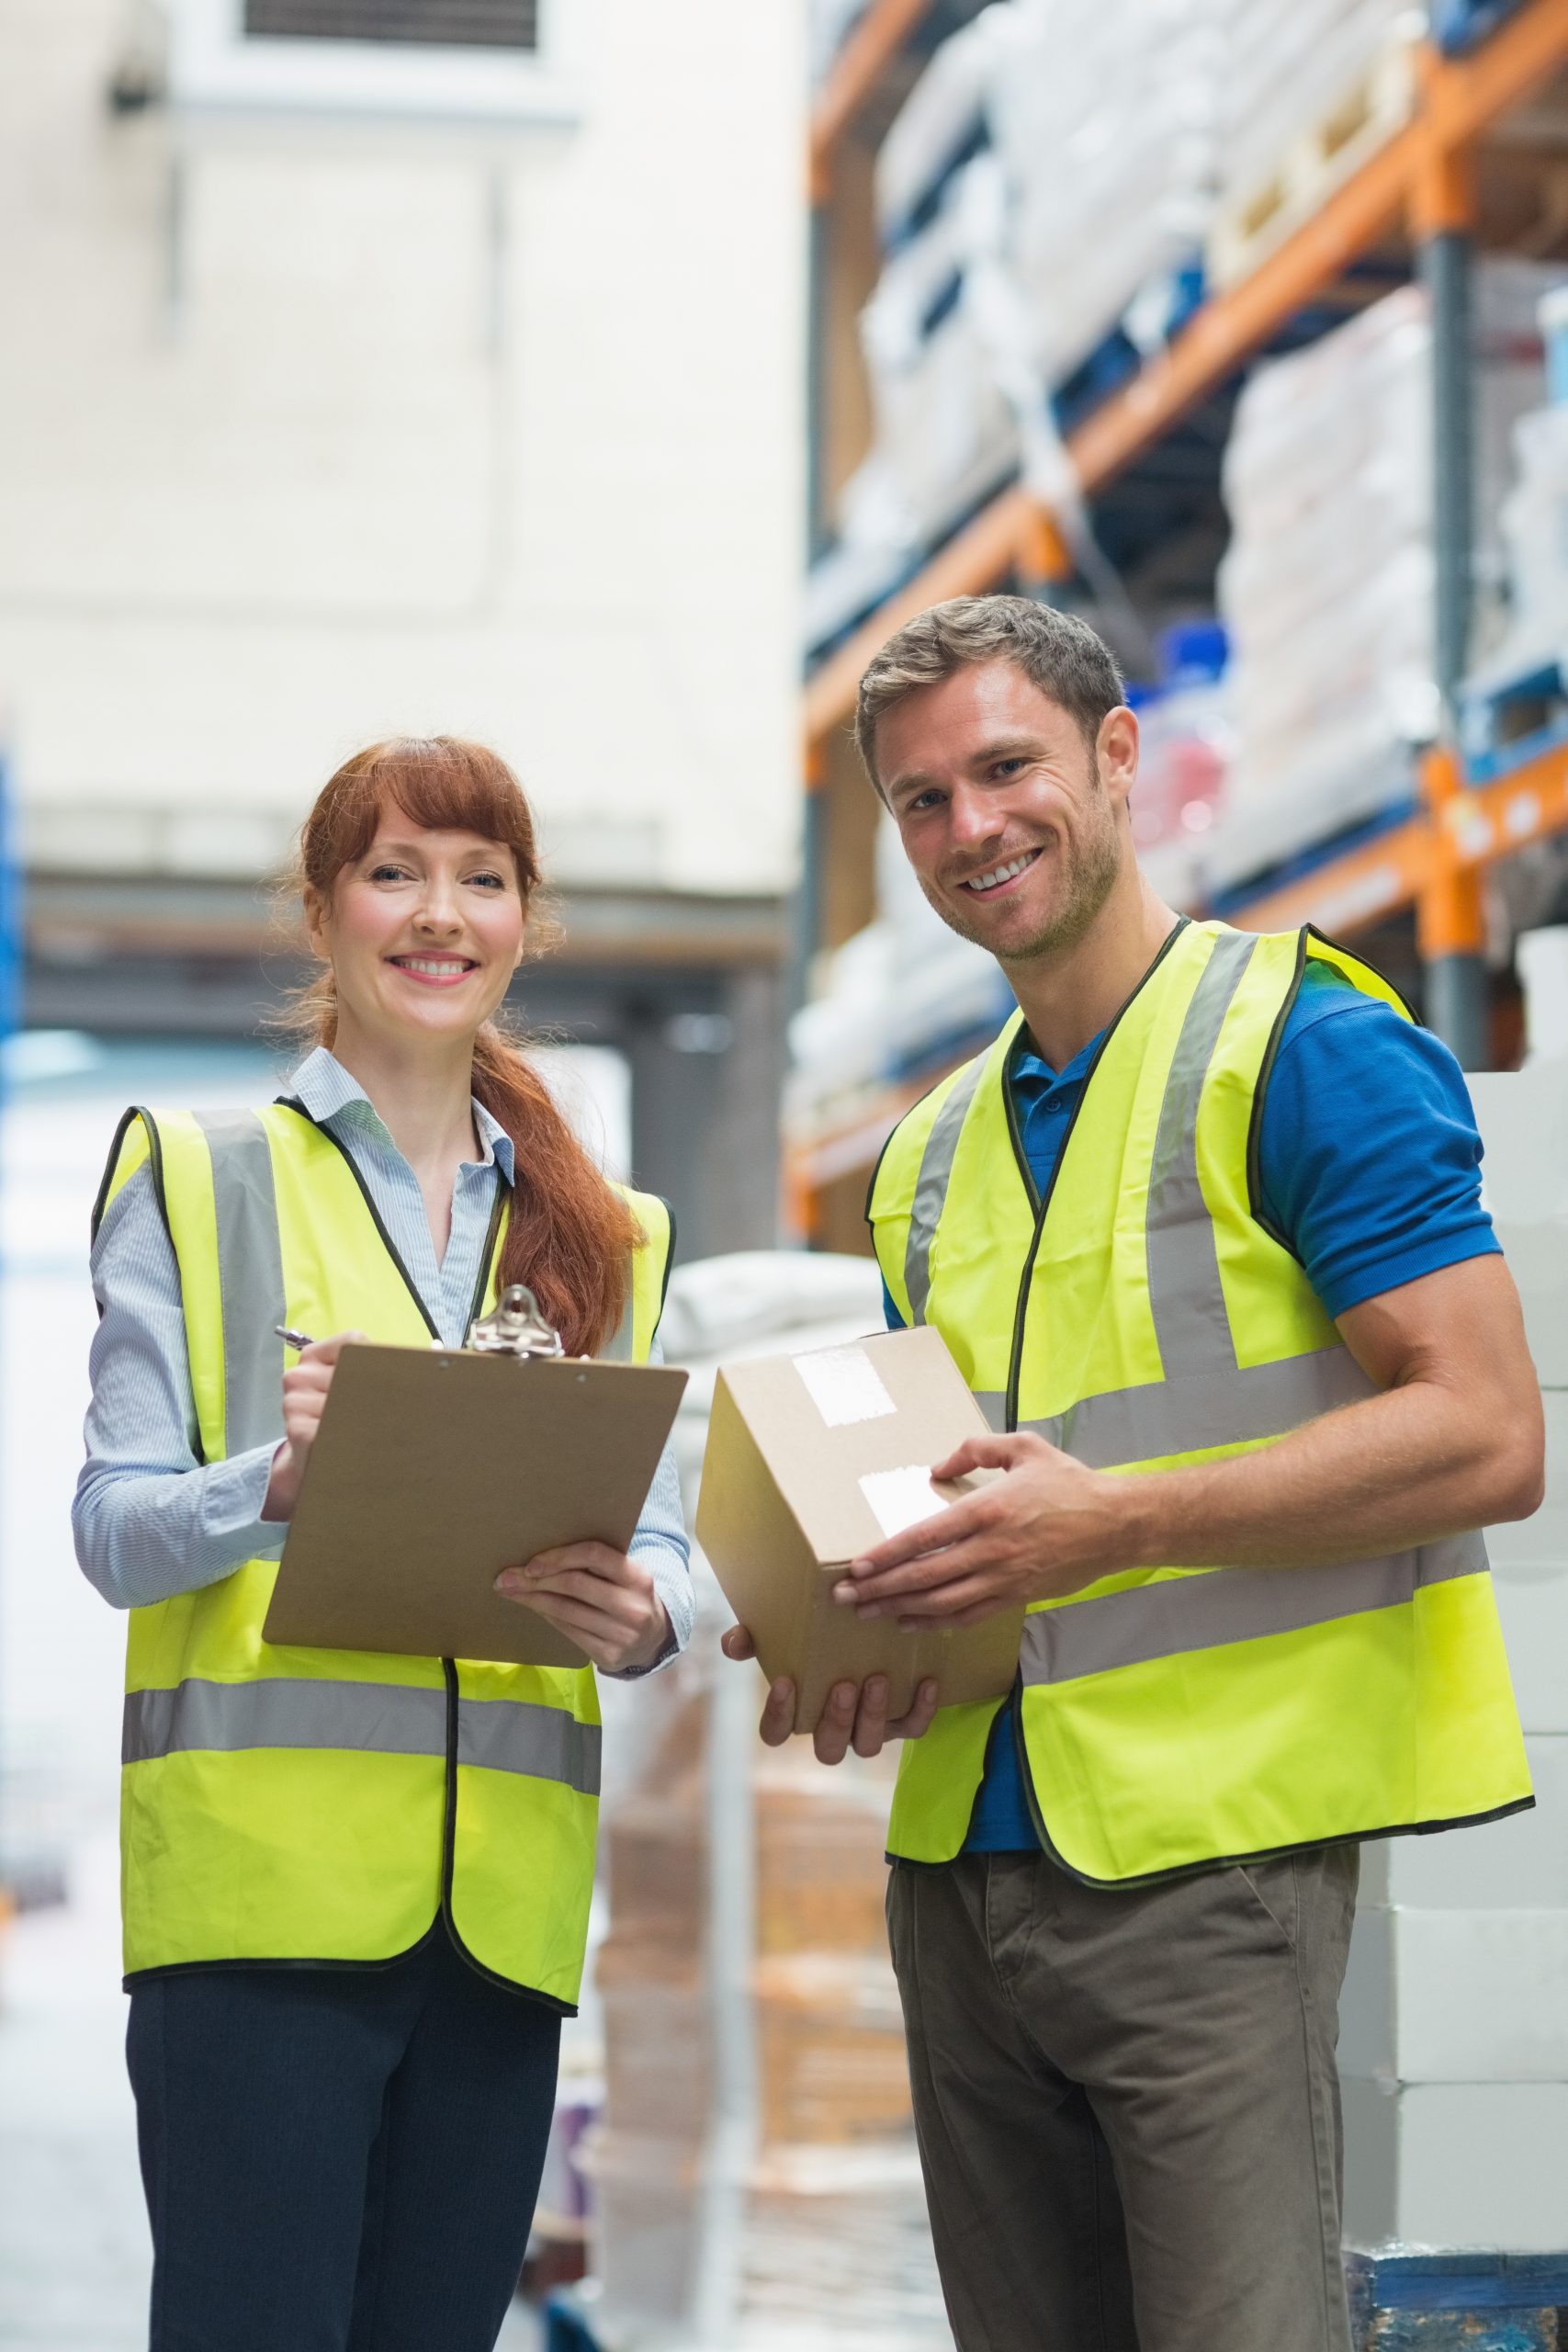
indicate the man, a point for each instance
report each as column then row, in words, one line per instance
column 1207, row 1212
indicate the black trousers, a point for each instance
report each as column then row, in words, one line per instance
column 339, row 2159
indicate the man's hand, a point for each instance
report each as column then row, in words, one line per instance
column 1049, row 1527
column 1450, row 1438
column 855, row 1715
column 305, row 1386
column 602, row 1600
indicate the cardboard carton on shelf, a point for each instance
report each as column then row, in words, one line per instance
column 830, row 2055
column 812, row 1459
column 658, row 2060
column 822, row 1839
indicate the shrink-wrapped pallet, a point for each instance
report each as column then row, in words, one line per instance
column 1105, row 120
column 756, row 2188
column 892, row 1003
column 1308, row 93
column 1054, row 158
column 1329, row 587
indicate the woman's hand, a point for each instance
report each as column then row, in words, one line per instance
column 305, row 1386
column 606, row 1602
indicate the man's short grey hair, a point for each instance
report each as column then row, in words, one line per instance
column 1063, row 656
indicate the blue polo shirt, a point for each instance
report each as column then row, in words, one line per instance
column 1370, row 1168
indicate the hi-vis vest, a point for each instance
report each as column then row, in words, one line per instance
column 289, row 1804
column 1141, row 1317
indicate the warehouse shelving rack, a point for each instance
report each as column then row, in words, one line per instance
column 1423, row 183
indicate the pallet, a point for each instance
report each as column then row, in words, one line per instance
column 1368, row 113
column 1511, row 716
column 1458, row 2302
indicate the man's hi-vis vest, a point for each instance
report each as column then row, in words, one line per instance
column 1141, row 1317
column 290, row 1803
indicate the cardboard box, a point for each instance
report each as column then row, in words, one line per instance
column 1456, row 1996
column 1522, row 1116
column 831, row 2061
column 1457, row 2165
column 812, row 1459
column 1517, row 1864
column 1532, row 1603
column 820, row 1875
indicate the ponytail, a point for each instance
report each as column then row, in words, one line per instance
column 571, row 1235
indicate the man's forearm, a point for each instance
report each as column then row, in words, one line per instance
column 1410, row 1466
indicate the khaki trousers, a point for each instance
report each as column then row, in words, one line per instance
column 1126, row 2101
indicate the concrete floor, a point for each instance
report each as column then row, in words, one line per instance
column 74, row 2255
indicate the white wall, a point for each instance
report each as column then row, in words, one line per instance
column 296, row 448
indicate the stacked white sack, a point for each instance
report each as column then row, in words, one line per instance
column 943, row 431
column 1106, row 122
column 893, row 1001
column 1055, row 157
column 1289, row 71
column 1327, row 588
column 1535, row 531
column 1534, row 520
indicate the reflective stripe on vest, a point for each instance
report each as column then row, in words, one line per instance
column 250, row 1274
column 379, row 1718
column 1178, row 1615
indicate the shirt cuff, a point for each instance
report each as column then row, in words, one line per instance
column 230, row 1527
column 673, row 1583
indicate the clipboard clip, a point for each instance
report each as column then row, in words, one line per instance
column 515, row 1328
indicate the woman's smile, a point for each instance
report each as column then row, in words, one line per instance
column 435, row 971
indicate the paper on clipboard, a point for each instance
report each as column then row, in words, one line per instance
column 433, row 1469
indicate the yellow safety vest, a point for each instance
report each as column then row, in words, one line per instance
column 1142, row 1316
column 291, row 1803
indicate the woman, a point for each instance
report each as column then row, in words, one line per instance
column 356, row 1886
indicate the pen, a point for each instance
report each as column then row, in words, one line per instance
column 295, row 1340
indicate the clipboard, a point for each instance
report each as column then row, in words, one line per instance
column 436, row 1468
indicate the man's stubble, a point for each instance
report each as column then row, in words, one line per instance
column 1089, row 865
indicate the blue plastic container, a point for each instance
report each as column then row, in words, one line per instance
column 1458, row 24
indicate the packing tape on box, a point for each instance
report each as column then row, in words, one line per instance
column 901, row 1498
column 844, row 1386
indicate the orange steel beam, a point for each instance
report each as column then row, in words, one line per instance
column 1430, row 862
column 1449, row 916
column 1003, row 534
column 1460, row 97
column 854, row 76
column 1465, row 96
column 1349, row 892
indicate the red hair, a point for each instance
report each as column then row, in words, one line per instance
column 570, row 1234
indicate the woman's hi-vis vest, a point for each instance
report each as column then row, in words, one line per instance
column 329, row 1805
column 1141, row 1317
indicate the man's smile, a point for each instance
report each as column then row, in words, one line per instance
column 998, row 877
